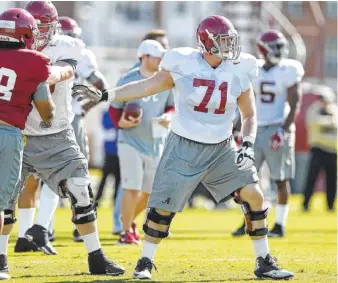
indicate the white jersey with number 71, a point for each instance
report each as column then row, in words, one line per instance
column 206, row 98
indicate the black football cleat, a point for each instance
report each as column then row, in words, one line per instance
column 240, row 231
column 100, row 264
column 51, row 236
column 4, row 268
column 39, row 236
column 77, row 236
column 267, row 268
column 3, row 263
column 277, row 231
column 143, row 268
column 22, row 245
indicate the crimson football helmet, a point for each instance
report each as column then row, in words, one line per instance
column 70, row 27
column 46, row 16
column 17, row 25
column 217, row 36
column 272, row 45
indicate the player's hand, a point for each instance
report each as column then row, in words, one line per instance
column 131, row 122
column 164, row 120
column 245, row 156
column 277, row 140
column 82, row 92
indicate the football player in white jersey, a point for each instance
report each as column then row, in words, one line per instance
column 86, row 70
column 52, row 151
column 277, row 91
column 209, row 84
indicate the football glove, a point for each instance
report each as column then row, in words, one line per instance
column 245, row 156
column 82, row 92
column 277, row 140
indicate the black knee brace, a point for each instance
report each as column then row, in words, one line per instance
column 88, row 213
column 88, row 216
column 157, row 218
column 254, row 216
column 9, row 217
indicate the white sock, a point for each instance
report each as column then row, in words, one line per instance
column 4, row 244
column 149, row 250
column 26, row 220
column 48, row 203
column 91, row 241
column 282, row 211
column 261, row 247
column 51, row 225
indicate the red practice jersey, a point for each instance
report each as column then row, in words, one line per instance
column 21, row 71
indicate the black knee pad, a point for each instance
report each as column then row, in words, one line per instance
column 157, row 218
column 9, row 217
column 83, row 215
column 254, row 216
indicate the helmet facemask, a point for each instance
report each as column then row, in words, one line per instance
column 276, row 50
column 36, row 35
column 226, row 46
column 46, row 32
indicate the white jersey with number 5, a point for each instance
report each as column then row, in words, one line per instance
column 206, row 98
column 62, row 47
column 271, row 90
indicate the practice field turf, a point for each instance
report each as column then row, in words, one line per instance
column 200, row 250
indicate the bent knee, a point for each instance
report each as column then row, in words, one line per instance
column 252, row 194
column 78, row 190
column 157, row 223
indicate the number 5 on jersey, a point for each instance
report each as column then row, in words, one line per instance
column 267, row 96
column 210, row 84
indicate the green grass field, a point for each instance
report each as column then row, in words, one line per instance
column 201, row 250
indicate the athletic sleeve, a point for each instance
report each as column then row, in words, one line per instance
column 295, row 73
column 115, row 115
column 70, row 62
column 42, row 92
column 87, row 65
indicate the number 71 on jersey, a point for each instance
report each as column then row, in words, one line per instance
column 210, row 84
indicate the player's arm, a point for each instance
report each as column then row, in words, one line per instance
column 245, row 156
column 62, row 70
column 43, row 102
column 159, row 82
column 236, row 130
column 247, row 107
column 294, row 93
column 96, row 79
